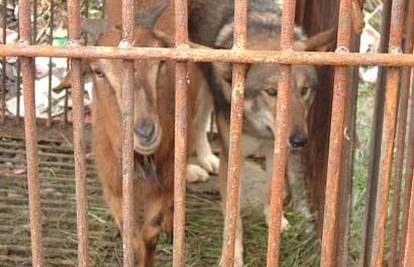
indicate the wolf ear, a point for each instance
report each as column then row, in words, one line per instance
column 224, row 69
column 319, row 42
column 147, row 17
column 94, row 28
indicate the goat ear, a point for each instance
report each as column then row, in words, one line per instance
column 147, row 17
column 317, row 42
column 66, row 83
column 94, row 28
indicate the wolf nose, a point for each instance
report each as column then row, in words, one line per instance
column 298, row 140
column 145, row 129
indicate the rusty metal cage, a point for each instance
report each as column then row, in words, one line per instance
column 389, row 134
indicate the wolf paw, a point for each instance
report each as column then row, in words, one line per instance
column 195, row 173
column 210, row 163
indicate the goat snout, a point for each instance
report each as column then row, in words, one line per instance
column 145, row 130
column 298, row 140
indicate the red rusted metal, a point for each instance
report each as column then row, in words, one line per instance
column 236, row 122
column 375, row 141
column 209, row 55
column 409, row 167
column 336, row 136
column 27, row 67
column 66, row 104
column 281, row 137
column 49, row 93
column 34, row 35
column 128, row 39
column 79, row 135
column 181, row 125
column 4, row 66
column 401, row 136
column 388, row 134
column 408, row 249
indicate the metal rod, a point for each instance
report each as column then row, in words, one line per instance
column 49, row 93
column 181, row 125
column 336, row 136
column 27, row 67
column 18, row 79
column 388, row 134
column 409, row 244
column 401, row 137
column 409, row 167
column 34, row 22
column 209, row 55
column 375, row 141
column 127, row 41
column 4, row 65
column 236, row 122
column 281, row 137
column 66, row 103
column 79, row 141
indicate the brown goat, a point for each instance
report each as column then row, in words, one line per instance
column 153, row 135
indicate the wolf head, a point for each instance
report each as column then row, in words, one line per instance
column 262, row 82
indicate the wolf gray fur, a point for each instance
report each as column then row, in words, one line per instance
column 211, row 23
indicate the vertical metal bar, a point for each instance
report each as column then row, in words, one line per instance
column 336, row 136
column 401, row 136
column 4, row 65
column 409, row 167
column 49, row 93
column 66, row 103
column 388, row 134
column 128, row 38
column 18, row 81
column 345, row 184
column 375, row 143
column 34, row 22
column 31, row 138
column 181, row 124
column 281, row 137
column 408, row 249
column 236, row 122
column 78, row 135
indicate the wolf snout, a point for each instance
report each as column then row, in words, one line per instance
column 298, row 140
column 145, row 130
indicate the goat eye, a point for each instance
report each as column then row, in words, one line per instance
column 271, row 92
column 304, row 91
column 99, row 73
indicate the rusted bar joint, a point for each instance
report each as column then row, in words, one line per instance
column 396, row 50
column 75, row 42
column 125, row 44
column 23, row 42
column 342, row 49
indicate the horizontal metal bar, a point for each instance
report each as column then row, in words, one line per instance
column 208, row 55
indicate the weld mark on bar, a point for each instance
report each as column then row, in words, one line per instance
column 75, row 42
column 397, row 50
column 342, row 49
column 124, row 43
column 23, row 42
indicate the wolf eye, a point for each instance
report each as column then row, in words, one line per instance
column 271, row 92
column 304, row 91
column 99, row 73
